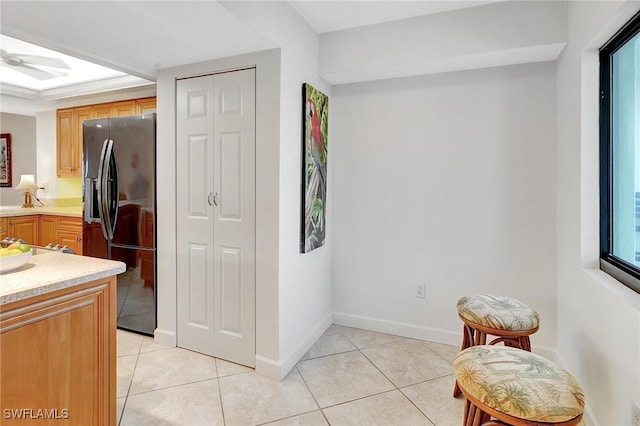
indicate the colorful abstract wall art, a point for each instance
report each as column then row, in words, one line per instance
column 314, row 168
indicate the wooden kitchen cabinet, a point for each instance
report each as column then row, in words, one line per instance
column 58, row 352
column 124, row 108
column 69, row 140
column 48, row 230
column 128, row 107
column 62, row 230
column 70, row 233
column 23, row 228
column 146, row 105
column 102, row 110
column 4, row 227
column 64, row 148
column 69, row 129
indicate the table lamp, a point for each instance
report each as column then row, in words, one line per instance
column 28, row 183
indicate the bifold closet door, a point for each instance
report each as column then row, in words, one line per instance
column 215, row 160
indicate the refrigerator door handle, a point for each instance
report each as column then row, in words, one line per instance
column 102, row 192
column 112, row 190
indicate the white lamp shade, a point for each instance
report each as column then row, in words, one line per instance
column 27, row 182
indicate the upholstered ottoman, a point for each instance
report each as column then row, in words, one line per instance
column 511, row 321
column 516, row 387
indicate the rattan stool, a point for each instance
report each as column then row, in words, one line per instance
column 511, row 321
column 516, row 387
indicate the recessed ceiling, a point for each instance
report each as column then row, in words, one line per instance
column 34, row 71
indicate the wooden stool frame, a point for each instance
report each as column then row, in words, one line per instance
column 474, row 334
column 476, row 414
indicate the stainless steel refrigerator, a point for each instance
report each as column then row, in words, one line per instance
column 119, row 199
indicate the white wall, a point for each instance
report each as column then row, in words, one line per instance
column 497, row 34
column 446, row 180
column 598, row 317
column 23, row 153
column 305, row 279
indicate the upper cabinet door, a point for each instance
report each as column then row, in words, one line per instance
column 146, row 105
column 102, row 110
column 124, row 108
column 69, row 140
column 63, row 148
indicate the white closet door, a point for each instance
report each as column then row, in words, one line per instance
column 234, row 217
column 216, row 215
column 194, row 183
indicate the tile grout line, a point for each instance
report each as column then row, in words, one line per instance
column 397, row 388
column 126, row 397
column 173, row 386
column 312, row 395
column 391, row 381
column 414, row 404
column 400, row 391
column 224, row 421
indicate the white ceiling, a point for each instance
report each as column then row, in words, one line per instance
column 332, row 15
column 135, row 39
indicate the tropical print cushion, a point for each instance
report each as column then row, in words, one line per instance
column 519, row 383
column 499, row 312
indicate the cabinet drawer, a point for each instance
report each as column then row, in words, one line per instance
column 73, row 224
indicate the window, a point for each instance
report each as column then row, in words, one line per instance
column 620, row 155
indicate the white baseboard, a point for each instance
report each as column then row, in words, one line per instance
column 306, row 344
column 398, row 328
column 414, row 331
column 279, row 370
column 165, row 337
column 268, row 367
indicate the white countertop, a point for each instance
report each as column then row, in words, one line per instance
column 48, row 271
column 59, row 211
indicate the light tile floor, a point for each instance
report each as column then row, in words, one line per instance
column 349, row 377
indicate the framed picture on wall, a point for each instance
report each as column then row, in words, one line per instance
column 5, row 160
column 314, row 167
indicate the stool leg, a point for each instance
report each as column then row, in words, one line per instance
column 478, row 416
column 525, row 342
column 471, row 417
column 456, row 390
column 467, row 339
column 481, row 338
column 467, row 409
column 474, row 416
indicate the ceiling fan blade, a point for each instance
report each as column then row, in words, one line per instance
column 31, row 71
column 42, row 60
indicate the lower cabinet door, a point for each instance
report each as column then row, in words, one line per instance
column 57, row 357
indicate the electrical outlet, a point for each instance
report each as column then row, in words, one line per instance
column 45, row 187
column 420, row 290
column 635, row 413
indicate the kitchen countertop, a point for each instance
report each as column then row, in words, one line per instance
column 59, row 211
column 48, row 271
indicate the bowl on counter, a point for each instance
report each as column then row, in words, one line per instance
column 15, row 261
